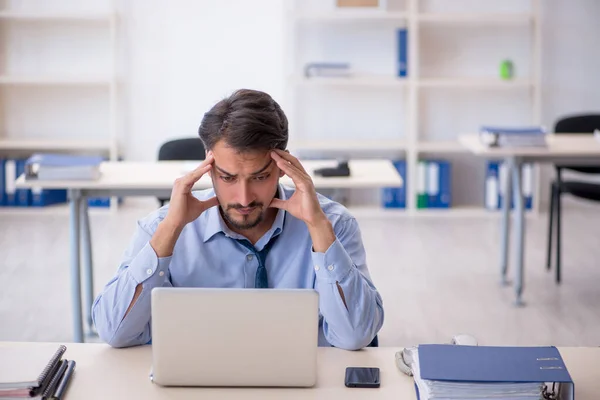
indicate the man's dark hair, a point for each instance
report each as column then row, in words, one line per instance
column 247, row 120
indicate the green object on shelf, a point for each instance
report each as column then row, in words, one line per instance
column 506, row 69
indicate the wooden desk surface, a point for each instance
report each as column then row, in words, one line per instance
column 559, row 145
column 161, row 175
column 106, row 373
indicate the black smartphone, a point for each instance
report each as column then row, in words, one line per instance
column 359, row 377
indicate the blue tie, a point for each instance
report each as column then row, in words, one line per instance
column 260, row 281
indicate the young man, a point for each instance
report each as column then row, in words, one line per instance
column 248, row 231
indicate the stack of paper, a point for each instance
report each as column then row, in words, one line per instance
column 513, row 136
column 30, row 372
column 62, row 167
column 445, row 372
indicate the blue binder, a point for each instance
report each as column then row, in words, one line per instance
column 2, row 183
column 486, row 364
column 438, row 184
column 495, row 182
column 396, row 197
column 23, row 195
column 10, row 177
column 402, row 67
column 46, row 197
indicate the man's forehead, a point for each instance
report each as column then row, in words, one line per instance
column 243, row 166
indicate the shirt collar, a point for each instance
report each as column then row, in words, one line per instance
column 214, row 224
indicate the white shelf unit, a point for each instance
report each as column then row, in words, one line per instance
column 51, row 16
column 349, row 145
column 34, row 83
column 316, row 22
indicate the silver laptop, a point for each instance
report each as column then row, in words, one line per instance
column 234, row 337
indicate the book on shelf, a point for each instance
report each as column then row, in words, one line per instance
column 495, row 179
column 395, row 197
column 434, row 184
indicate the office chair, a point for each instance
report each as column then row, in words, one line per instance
column 374, row 342
column 585, row 190
column 181, row 150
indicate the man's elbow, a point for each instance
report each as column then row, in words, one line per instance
column 354, row 341
column 120, row 342
column 120, row 339
column 364, row 335
column 109, row 332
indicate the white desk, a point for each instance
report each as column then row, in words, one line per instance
column 156, row 179
column 106, row 373
column 571, row 149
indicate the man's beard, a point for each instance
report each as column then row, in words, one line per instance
column 246, row 222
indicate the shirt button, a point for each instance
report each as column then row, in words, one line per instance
column 316, row 267
column 249, row 257
column 161, row 273
column 330, row 267
column 149, row 271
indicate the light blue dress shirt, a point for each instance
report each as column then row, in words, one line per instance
column 206, row 255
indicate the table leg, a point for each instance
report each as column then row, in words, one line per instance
column 504, row 251
column 519, row 230
column 75, row 229
column 88, row 268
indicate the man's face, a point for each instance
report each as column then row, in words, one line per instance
column 245, row 183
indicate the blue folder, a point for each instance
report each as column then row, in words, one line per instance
column 486, row 364
column 2, row 183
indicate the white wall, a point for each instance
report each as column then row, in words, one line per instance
column 185, row 55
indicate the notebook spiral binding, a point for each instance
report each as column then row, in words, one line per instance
column 50, row 368
column 49, row 390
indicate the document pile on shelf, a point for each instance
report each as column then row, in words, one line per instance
column 497, row 136
column 62, row 167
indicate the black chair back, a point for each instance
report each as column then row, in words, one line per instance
column 579, row 124
column 182, row 149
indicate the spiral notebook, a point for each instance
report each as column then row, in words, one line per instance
column 28, row 367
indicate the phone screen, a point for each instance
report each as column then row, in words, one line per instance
column 362, row 377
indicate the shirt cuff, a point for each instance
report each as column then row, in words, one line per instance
column 333, row 265
column 146, row 265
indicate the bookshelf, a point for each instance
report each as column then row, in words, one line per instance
column 58, row 78
column 450, row 67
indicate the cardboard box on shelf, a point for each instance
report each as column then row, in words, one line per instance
column 358, row 3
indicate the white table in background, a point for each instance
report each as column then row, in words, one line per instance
column 156, row 179
column 567, row 149
column 106, row 373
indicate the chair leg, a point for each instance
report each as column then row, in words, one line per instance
column 550, row 226
column 558, row 235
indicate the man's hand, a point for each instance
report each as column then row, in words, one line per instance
column 304, row 204
column 184, row 207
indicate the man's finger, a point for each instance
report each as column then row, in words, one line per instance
column 196, row 174
column 289, row 169
column 288, row 157
column 212, row 202
column 278, row 203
